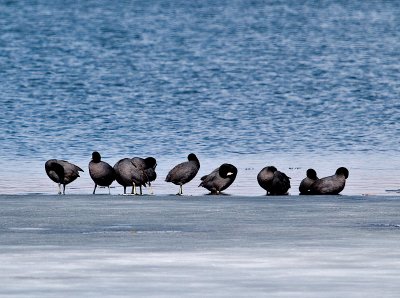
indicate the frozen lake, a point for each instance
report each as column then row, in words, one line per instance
column 294, row 246
column 294, row 84
column 370, row 174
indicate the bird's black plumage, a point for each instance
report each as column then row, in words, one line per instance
column 219, row 179
column 306, row 183
column 62, row 172
column 101, row 172
column 148, row 165
column 132, row 172
column 331, row 185
column 184, row 172
column 273, row 181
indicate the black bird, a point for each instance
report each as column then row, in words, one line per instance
column 128, row 174
column 331, row 185
column 151, row 176
column 273, row 181
column 61, row 172
column 219, row 179
column 184, row 172
column 265, row 177
column 148, row 165
column 101, row 172
column 306, row 183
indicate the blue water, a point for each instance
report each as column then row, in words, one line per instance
column 218, row 78
column 294, row 83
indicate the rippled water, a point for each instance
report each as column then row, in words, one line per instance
column 253, row 82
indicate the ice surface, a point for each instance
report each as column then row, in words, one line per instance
column 91, row 246
column 370, row 174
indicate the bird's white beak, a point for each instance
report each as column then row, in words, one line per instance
column 229, row 173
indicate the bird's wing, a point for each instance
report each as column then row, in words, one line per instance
column 138, row 162
column 179, row 173
column 209, row 178
column 324, row 185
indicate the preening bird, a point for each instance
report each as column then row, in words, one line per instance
column 219, row 179
column 306, row 183
column 148, row 165
column 61, row 172
column 128, row 174
column 273, row 181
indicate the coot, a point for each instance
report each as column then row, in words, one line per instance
column 101, row 172
column 62, row 172
column 273, row 181
column 306, row 183
column 184, row 172
column 219, row 179
column 331, row 185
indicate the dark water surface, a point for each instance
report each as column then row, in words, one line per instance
column 253, row 82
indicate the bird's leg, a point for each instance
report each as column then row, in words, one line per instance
column 109, row 191
column 124, row 190
column 63, row 189
column 133, row 188
column 94, row 190
column 59, row 188
column 180, row 190
column 151, row 189
column 140, row 187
